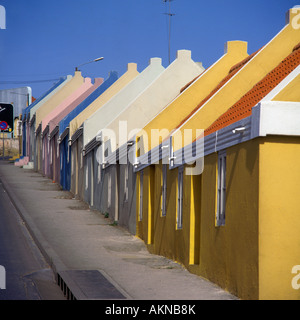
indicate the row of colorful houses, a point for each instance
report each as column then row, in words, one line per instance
column 202, row 165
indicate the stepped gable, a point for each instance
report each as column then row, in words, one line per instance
column 231, row 73
column 243, row 108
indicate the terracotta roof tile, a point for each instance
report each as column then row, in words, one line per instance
column 243, row 108
column 189, row 83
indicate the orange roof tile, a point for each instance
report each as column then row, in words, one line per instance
column 189, row 83
column 231, row 73
column 243, row 108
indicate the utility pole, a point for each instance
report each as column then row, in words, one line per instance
column 170, row 16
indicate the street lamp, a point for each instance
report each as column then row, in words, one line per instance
column 95, row 60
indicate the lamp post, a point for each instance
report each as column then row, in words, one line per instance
column 95, row 60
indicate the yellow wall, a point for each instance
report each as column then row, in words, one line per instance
column 144, row 225
column 252, row 256
column 158, row 232
column 228, row 254
column 279, row 220
column 260, row 65
column 291, row 92
column 104, row 97
column 189, row 99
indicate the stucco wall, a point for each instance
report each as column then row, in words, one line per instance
column 279, row 223
column 226, row 255
column 229, row 254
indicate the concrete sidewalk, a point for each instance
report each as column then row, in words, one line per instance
column 91, row 257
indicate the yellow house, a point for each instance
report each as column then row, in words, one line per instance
column 235, row 224
column 192, row 94
column 171, row 116
column 248, row 237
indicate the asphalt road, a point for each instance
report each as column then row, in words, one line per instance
column 27, row 275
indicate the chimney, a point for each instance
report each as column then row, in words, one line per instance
column 155, row 61
column 236, row 46
column 131, row 66
column 184, row 54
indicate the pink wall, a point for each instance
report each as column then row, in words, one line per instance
column 59, row 113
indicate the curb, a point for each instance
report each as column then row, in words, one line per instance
column 66, row 283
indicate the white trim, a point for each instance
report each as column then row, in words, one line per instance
column 230, row 80
column 164, row 190
column 109, row 190
column 126, row 180
column 141, row 195
column 279, row 118
column 179, row 216
column 285, row 82
column 221, row 188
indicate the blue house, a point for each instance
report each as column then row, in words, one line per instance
column 27, row 120
column 65, row 150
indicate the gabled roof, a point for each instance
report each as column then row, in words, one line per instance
column 57, row 117
column 36, row 101
column 155, row 97
column 231, row 73
column 116, row 104
column 64, row 123
column 111, row 91
column 243, row 108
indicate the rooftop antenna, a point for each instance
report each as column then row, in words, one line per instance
column 170, row 16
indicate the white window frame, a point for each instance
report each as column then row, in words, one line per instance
column 81, row 158
column 61, row 157
column 141, row 195
column 68, row 154
column 179, row 198
column 109, row 189
column 86, row 177
column 221, row 188
column 57, row 149
column 99, row 172
column 126, row 183
column 72, row 167
column 51, row 153
column 164, row 190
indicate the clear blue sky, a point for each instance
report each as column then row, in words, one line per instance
column 47, row 39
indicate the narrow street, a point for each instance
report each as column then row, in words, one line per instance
column 28, row 277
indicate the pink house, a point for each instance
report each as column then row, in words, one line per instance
column 50, row 122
